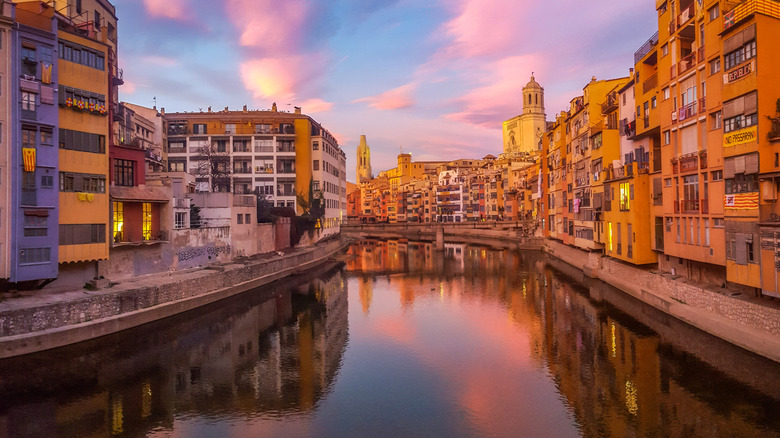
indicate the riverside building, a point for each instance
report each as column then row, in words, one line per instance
column 278, row 155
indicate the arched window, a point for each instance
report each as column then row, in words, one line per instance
column 536, row 96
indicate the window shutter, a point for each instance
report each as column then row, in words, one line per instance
column 741, row 249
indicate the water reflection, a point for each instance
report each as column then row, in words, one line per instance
column 268, row 353
column 617, row 376
column 467, row 341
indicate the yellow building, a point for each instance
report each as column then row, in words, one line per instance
column 83, row 135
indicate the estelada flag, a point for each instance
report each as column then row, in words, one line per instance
column 28, row 158
column 46, row 72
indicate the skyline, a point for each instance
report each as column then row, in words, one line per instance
column 425, row 77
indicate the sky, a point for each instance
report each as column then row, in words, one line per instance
column 434, row 78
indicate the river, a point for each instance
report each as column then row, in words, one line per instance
column 402, row 340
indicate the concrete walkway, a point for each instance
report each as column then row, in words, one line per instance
column 32, row 321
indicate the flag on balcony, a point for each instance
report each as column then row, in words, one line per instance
column 741, row 201
column 28, row 159
column 46, row 72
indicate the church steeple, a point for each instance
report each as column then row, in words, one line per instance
column 533, row 97
column 363, row 172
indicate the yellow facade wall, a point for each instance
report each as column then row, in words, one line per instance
column 303, row 157
column 95, row 210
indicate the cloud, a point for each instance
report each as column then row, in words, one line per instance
column 282, row 61
column 173, row 9
column 397, row 98
column 499, row 95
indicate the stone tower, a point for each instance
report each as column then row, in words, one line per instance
column 522, row 133
column 363, row 162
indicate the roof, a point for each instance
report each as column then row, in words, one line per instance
column 138, row 194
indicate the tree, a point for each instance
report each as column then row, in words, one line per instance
column 195, row 220
column 214, row 163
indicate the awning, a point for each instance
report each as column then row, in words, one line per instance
column 138, row 194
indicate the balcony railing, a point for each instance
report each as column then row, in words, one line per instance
column 611, row 104
column 264, row 149
column 686, row 63
column 689, row 206
column 688, row 110
column 685, row 15
column 703, row 159
column 689, row 162
column 137, row 235
column 244, row 200
column 646, row 48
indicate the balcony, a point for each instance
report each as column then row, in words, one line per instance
column 611, row 104
column 646, row 48
column 244, row 200
column 686, row 111
column 689, row 162
column 703, row 159
column 746, row 8
column 686, row 63
column 700, row 54
column 242, row 170
column 689, row 206
column 139, row 236
column 178, row 130
column 685, row 15
column 181, row 202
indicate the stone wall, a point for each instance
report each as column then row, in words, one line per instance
column 739, row 319
column 78, row 316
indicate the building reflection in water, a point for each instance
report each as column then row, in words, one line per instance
column 641, row 375
column 250, row 356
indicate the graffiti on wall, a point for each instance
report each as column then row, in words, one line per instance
column 210, row 251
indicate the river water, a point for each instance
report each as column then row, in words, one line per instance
column 402, row 341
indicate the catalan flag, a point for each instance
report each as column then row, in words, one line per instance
column 741, row 201
column 28, row 158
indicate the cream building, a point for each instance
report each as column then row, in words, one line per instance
column 523, row 132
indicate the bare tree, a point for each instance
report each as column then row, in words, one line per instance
column 214, row 163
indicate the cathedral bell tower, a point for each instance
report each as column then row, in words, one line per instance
column 363, row 172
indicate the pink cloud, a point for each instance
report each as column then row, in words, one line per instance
column 499, row 95
column 278, row 65
column 484, row 27
column 397, row 98
column 173, row 9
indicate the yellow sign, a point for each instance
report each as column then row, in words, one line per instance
column 740, row 137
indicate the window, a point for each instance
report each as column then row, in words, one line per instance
column 177, row 165
column 714, row 12
column 28, row 138
column 230, row 128
column 124, row 172
column 35, row 226
column 717, row 175
column 316, row 164
column 28, row 101
column 180, row 220
column 47, row 181
column 82, row 141
column 80, row 234
column 740, row 55
column 742, row 183
column 664, row 50
column 46, row 137
column 30, row 256
column 199, row 128
column 667, row 137
column 247, row 218
column 739, row 122
column 146, row 211
column 716, row 120
column 666, row 93
column 315, row 146
column 73, row 52
column 82, row 182
column 653, row 102
column 29, row 61
column 625, row 196
column 715, row 66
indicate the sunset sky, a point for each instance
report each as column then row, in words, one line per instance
column 435, row 77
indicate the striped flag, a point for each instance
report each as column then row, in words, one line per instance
column 741, row 201
column 28, row 158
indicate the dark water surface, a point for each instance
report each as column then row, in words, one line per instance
column 404, row 341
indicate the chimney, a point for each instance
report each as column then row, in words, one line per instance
column 244, row 108
column 209, row 108
column 631, row 71
column 297, row 110
column 162, row 110
column 226, row 109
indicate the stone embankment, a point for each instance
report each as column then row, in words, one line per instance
column 749, row 322
column 43, row 320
